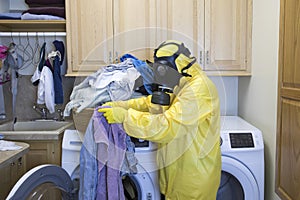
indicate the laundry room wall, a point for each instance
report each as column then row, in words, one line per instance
column 4, row 5
column 257, row 99
column 29, row 49
column 228, row 93
column 16, row 5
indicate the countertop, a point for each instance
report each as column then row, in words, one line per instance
column 7, row 157
column 43, row 130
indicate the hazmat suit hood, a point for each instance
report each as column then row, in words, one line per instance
column 171, row 62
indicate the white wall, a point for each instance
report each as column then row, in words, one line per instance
column 257, row 101
column 4, row 6
column 17, row 5
column 228, row 94
column 12, row 6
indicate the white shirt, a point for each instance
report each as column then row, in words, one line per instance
column 45, row 93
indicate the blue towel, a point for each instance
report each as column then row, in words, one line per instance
column 143, row 68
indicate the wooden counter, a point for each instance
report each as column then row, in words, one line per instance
column 9, row 156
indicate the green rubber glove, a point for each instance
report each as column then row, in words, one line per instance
column 114, row 115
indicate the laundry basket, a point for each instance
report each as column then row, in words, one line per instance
column 81, row 120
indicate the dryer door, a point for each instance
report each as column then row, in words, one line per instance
column 237, row 182
column 37, row 183
column 140, row 187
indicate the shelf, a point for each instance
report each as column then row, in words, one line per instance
column 32, row 25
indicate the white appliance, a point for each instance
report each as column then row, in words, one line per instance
column 141, row 186
column 242, row 150
column 242, row 167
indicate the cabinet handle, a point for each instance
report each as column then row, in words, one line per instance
column 12, row 164
column 201, row 58
column 20, row 161
column 116, row 59
column 110, row 57
column 207, row 57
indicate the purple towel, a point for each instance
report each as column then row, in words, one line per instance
column 111, row 140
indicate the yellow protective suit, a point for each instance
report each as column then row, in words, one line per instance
column 188, row 137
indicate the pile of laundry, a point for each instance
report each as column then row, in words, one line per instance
column 107, row 153
column 115, row 82
column 8, row 146
column 47, row 76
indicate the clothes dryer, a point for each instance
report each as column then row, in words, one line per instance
column 64, row 180
column 242, row 160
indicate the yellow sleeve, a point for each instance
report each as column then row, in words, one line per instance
column 192, row 105
column 140, row 104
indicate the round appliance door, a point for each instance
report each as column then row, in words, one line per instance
column 237, row 182
column 43, row 182
column 139, row 187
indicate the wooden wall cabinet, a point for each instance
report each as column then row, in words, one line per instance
column 228, row 28
column 217, row 32
column 98, row 32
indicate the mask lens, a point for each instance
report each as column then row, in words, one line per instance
column 162, row 70
column 165, row 75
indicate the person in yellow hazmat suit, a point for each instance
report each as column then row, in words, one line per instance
column 187, row 130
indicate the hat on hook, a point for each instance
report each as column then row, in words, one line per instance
column 59, row 45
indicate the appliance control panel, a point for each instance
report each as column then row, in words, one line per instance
column 237, row 135
column 241, row 140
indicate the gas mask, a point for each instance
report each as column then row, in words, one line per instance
column 166, row 78
column 166, row 72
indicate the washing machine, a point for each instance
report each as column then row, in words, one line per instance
column 64, row 180
column 242, row 150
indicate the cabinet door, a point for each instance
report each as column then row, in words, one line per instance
column 10, row 174
column 288, row 109
column 134, row 28
column 89, row 35
column 43, row 152
column 183, row 21
column 227, row 36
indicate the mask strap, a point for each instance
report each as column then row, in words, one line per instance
column 188, row 66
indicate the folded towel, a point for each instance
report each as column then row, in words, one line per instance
column 34, row 3
column 8, row 146
column 55, row 11
column 28, row 16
